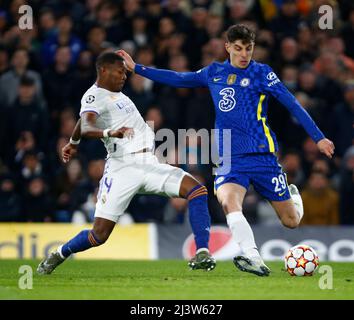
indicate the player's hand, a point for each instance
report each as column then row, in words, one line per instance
column 123, row 132
column 129, row 62
column 68, row 151
column 326, row 146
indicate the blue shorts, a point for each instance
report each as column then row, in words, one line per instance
column 262, row 170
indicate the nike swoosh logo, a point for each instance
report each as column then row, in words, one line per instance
column 281, row 194
column 217, row 79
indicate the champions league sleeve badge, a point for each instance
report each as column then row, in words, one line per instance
column 90, row 99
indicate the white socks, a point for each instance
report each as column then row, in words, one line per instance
column 202, row 249
column 296, row 197
column 242, row 233
column 59, row 251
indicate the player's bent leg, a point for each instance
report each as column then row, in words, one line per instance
column 86, row 239
column 287, row 213
column 197, row 196
column 230, row 197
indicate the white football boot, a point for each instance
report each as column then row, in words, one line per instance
column 48, row 265
column 253, row 265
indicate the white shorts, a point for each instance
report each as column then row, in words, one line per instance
column 136, row 173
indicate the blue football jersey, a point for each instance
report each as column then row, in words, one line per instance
column 241, row 99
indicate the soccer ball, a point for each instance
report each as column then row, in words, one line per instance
column 301, row 260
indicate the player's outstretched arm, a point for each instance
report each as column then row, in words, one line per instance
column 89, row 129
column 172, row 78
column 325, row 145
column 278, row 90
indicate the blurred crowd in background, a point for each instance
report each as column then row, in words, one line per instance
column 45, row 71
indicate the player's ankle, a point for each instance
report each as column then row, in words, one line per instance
column 252, row 253
column 202, row 250
column 60, row 252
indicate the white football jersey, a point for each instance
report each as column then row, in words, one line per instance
column 115, row 110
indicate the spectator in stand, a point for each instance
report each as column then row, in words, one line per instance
column 47, row 24
column 321, row 202
column 107, row 12
column 38, row 204
column 346, row 188
column 10, row 200
column 336, row 45
column 173, row 10
column 59, row 82
column 306, row 44
column 291, row 163
column 10, row 80
column 97, row 40
column 26, row 142
column 347, row 34
column 27, row 114
column 4, row 62
column 140, row 30
column 289, row 75
column 63, row 37
column 65, row 184
column 161, row 42
column 309, row 155
column 145, row 55
column 197, row 36
column 289, row 53
column 85, row 76
column 287, row 22
column 214, row 26
column 142, row 98
column 343, row 119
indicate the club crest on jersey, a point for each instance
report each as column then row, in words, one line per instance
column 231, row 79
column 245, row 82
column 90, row 99
column 219, row 180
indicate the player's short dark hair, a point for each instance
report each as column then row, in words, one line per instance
column 106, row 58
column 240, row 32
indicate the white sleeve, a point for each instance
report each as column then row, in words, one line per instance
column 91, row 102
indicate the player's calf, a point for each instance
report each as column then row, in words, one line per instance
column 288, row 212
column 290, row 221
column 199, row 218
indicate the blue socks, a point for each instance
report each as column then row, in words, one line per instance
column 199, row 215
column 83, row 241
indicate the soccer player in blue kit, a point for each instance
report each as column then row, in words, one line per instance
column 240, row 88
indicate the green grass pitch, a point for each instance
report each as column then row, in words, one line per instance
column 168, row 280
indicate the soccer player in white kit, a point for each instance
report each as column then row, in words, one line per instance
column 131, row 167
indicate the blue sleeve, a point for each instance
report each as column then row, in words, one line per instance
column 175, row 79
column 272, row 85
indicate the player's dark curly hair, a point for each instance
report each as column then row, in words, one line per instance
column 240, row 32
column 107, row 58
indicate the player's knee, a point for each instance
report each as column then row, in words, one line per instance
column 198, row 190
column 101, row 235
column 229, row 204
column 290, row 221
